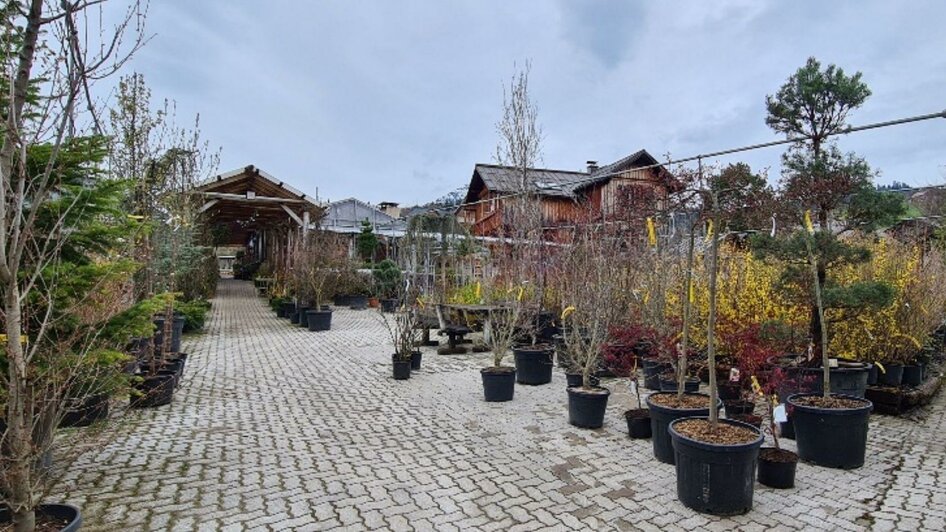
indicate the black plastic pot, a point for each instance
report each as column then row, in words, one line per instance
column 94, row 408
column 850, row 378
column 358, row 302
column 341, row 301
column 831, row 437
column 893, row 375
column 729, row 391
column 912, row 376
column 177, row 329
column 872, row 375
column 638, row 423
column 156, row 390
column 533, row 364
column 652, row 370
column 660, row 419
column 691, row 385
column 295, row 316
column 499, row 384
column 787, row 428
column 66, row 513
column 303, row 316
column 288, row 308
column 575, row 379
column 416, row 357
column 716, row 479
column 388, row 305
column 586, row 407
column 402, row 368
column 738, row 407
column 319, row 320
column 777, row 468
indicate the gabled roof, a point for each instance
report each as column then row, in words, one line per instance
column 556, row 183
column 251, row 178
column 506, row 179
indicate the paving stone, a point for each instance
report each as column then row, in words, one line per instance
column 277, row 427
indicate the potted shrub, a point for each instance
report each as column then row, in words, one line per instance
column 499, row 381
column 402, row 330
column 386, row 278
column 638, row 419
column 776, row 465
column 591, row 278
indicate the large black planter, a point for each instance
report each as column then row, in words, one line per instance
column 288, row 308
column 638, row 423
column 533, row 365
column 660, row 419
column 652, row 371
column 670, row 385
column 831, row 437
column 303, row 320
column 586, row 407
column 777, row 468
column 93, row 408
column 499, row 384
column 872, row 375
column 716, row 479
column 848, row 379
column 738, row 407
column 358, row 302
column 388, row 305
column 177, row 329
column 912, row 376
column 319, row 320
column 65, row 513
column 342, row 301
column 729, row 391
column 416, row 357
column 402, row 368
column 787, row 428
column 893, row 375
column 157, row 390
column 576, row 379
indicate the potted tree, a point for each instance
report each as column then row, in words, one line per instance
column 776, row 465
column 715, row 459
column 506, row 314
column 591, row 285
column 402, row 330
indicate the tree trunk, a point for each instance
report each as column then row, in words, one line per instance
column 711, row 320
column 18, row 444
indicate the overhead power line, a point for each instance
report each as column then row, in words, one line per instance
column 730, row 151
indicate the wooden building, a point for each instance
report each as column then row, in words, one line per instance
column 567, row 197
column 255, row 211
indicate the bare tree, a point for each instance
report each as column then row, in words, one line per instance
column 42, row 41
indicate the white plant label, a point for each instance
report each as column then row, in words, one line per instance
column 779, row 413
column 733, row 374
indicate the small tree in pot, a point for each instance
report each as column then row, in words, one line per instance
column 507, row 315
column 591, row 287
column 402, row 330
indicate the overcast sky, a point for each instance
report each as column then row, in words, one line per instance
column 397, row 100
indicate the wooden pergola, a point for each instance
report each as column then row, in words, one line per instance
column 258, row 211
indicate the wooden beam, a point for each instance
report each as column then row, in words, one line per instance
column 207, row 205
column 243, row 198
column 292, row 214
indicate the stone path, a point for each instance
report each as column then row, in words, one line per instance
column 279, row 428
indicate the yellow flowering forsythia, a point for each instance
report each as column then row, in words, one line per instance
column 896, row 332
column 747, row 295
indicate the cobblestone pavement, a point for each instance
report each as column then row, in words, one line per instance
column 279, row 428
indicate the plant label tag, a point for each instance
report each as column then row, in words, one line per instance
column 832, row 362
column 733, row 374
column 779, row 414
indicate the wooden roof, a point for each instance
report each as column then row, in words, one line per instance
column 250, row 199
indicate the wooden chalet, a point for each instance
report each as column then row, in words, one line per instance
column 256, row 211
column 567, row 197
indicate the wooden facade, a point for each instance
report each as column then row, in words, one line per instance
column 567, row 198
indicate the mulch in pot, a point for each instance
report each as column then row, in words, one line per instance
column 686, row 402
column 832, row 402
column 772, row 454
column 723, row 434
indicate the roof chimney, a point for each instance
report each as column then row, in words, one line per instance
column 592, row 167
